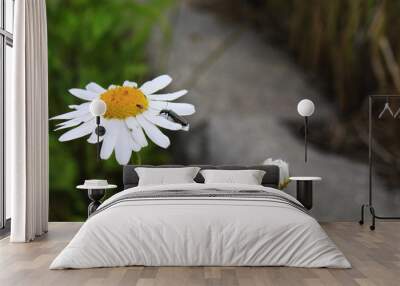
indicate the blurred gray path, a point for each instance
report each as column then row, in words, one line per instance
column 244, row 90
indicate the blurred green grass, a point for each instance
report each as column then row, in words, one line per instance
column 104, row 42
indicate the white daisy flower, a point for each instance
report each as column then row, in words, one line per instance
column 131, row 113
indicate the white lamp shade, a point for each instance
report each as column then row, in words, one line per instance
column 98, row 107
column 305, row 107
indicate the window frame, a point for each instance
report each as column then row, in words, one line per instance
column 6, row 39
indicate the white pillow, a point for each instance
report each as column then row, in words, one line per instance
column 165, row 176
column 248, row 177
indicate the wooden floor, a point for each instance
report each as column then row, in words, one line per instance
column 375, row 257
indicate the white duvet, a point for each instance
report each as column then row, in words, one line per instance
column 200, row 231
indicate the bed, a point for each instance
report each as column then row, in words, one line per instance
column 201, row 224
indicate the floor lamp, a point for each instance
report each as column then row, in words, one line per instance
column 98, row 108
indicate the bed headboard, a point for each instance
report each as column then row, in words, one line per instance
column 271, row 177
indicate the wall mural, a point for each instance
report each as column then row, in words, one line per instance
column 247, row 64
column 127, row 113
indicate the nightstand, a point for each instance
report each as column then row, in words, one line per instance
column 95, row 194
column 304, row 192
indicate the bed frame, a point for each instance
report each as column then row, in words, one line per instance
column 270, row 179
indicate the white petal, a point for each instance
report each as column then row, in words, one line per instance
column 153, row 132
column 84, row 117
column 123, row 148
column 68, row 115
column 112, row 86
column 80, row 131
column 74, row 122
column 110, row 138
column 93, row 138
column 168, row 96
column 81, row 110
column 132, row 123
column 83, row 106
column 130, row 84
column 108, row 146
column 152, row 111
column 83, row 94
column 162, row 122
column 135, row 146
column 156, row 84
column 137, row 131
column 73, row 106
column 158, row 105
column 94, row 87
column 181, row 108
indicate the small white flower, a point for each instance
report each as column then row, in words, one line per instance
column 283, row 171
column 131, row 113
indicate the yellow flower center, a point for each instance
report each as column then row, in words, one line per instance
column 123, row 102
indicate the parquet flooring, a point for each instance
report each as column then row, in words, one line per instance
column 375, row 257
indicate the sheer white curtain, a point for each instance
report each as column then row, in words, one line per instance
column 27, row 124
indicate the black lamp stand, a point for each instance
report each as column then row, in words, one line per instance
column 305, row 137
column 100, row 131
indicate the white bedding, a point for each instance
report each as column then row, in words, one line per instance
column 200, row 231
